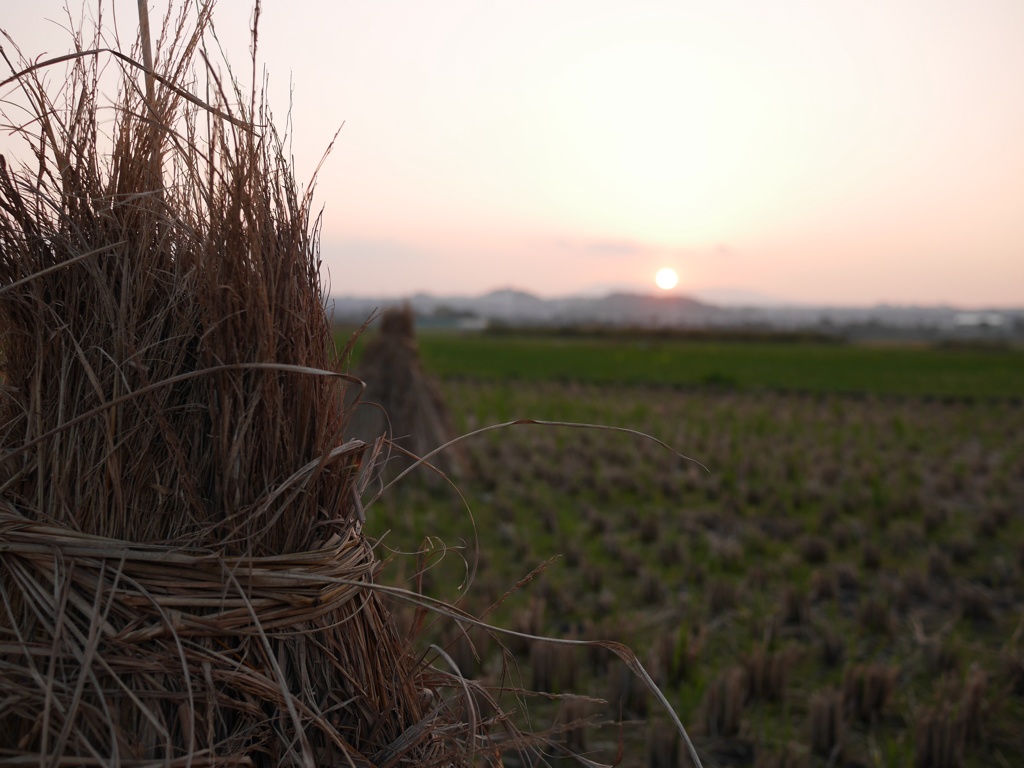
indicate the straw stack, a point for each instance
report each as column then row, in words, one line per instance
column 183, row 578
column 402, row 403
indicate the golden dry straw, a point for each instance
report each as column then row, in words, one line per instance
column 183, row 576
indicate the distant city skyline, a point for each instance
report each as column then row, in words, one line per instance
column 816, row 153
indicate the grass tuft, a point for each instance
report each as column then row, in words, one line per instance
column 867, row 689
column 827, row 726
column 723, row 703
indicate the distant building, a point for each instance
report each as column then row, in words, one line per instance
column 979, row 320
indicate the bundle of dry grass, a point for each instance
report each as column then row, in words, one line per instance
column 183, row 575
column 183, row 578
column 401, row 403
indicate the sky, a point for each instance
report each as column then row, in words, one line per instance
column 814, row 151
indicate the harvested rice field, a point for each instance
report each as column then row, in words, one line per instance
column 842, row 585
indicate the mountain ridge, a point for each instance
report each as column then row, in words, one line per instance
column 516, row 307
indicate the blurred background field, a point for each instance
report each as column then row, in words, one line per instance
column 782, row 362
column 842, row 586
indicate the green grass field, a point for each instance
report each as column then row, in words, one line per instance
column 842, row 587
column 773, row 365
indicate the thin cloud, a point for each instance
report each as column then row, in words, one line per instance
column 600, row 247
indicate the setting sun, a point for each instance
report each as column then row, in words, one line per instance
column 666, row 279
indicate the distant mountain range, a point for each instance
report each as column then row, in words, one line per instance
column 519, row 308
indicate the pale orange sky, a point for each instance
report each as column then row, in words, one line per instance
column 824, row 152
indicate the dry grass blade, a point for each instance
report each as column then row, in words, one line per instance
column 531, row 422
column 164, row 81
column 623, row 652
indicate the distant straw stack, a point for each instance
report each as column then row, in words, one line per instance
column 401, row 402
column 183, row 578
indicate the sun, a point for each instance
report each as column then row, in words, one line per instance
column 666, row 279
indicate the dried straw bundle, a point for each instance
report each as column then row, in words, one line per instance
column 183, row 579
column 401, row 402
